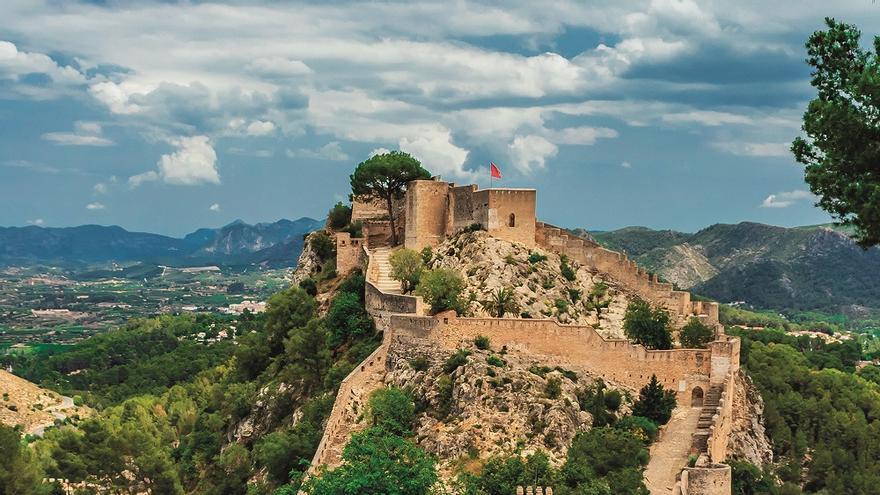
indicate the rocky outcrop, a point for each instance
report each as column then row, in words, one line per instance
column 485, row 408
column 309, row 263
column 748, row 438
column 540, row 289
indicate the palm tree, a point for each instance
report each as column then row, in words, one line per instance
column 501, row 303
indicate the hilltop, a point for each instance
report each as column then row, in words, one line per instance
column 796, row 269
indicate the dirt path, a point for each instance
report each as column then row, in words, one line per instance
column 670, row 454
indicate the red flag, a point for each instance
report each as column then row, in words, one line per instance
column 494, row 170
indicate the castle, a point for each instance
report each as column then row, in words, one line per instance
column 433, row 210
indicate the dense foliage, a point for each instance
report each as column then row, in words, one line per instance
column 407, row 267
column 172, row 436
column 840, row 150
column 655, row 402
column 441, row 288
column 647, row 325
column 695, row 335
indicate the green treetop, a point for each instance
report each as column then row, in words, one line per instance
column 385, row 176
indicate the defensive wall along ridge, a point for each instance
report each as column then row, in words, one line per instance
column 693, row 373
column 432, row 211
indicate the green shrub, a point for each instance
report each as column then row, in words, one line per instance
column 442, row 289
column 459, row 358
column 553, row 387
column 536, row 258
column 482, row 342
column 655, row 403
column 494, row 360
column 322, row 245
column 77, row 400
column 407, row 267
column 309, row 286
column 567, row 271
column 419, row 363
column 646, row 325
column 640, row 426
column 427, row 255
column 393, row 410
column 695, row 335
column 339, row 216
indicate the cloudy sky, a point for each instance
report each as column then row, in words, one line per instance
column 168, row 116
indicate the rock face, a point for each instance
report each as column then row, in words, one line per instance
column 480, row 409
column 748, row 438
column 539, row 287
column 308, row 264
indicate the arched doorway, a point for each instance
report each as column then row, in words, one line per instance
column 697, row 397
column 511, row 222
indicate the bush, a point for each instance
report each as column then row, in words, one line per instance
column 639, row 426
column 339, row 216
column 309, row 286
column 646, row 325
column 496, row 361
column 613, row 400
column 536, row 258
column 482, row 342
column 442, row 289
column 459, row 358
column 322, row 245
column 427, row 255
column 393, row 410
column 655, row 403
column 602, row 458
column 347, row 320
column 695, row 335
column 567, row 271
column 553, row 388
column 407, row 267
column 419, row 363
column 502, row 301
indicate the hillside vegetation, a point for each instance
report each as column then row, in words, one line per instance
column 788, row 269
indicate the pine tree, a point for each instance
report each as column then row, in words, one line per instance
column 655, row 403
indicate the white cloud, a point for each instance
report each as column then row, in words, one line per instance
column 625, row 164
column 708, row 118
column 95, row 206
column 16, row 64
column 214, row 207
column 331, row 151
column 580, row 135
column 100, row 188
column 754, row 149
column 278, row 67
column 84, row 134
column 37, row 221
column 437, row 153
column 137, row 180
column 531, row 152
column 194, row 162
column 260, row 128
column 379, row 151
column 785, row 199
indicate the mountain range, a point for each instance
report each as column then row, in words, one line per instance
column 277, row 243
column 795, row 269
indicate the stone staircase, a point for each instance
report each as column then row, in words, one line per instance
column 710, row 408
column 384, row 282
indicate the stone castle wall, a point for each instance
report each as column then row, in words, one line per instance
column 507, row 214
column 712, row 479
column 348, row 253
column 581, row 347
column 627, row 273
column 426, row 206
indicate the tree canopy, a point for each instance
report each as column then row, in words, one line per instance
column 647, row 325
column 841, row 150
column 385, row 176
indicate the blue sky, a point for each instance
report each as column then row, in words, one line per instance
column 166, row 117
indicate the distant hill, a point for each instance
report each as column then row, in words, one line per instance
column 803, row 268
column 278, row 243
